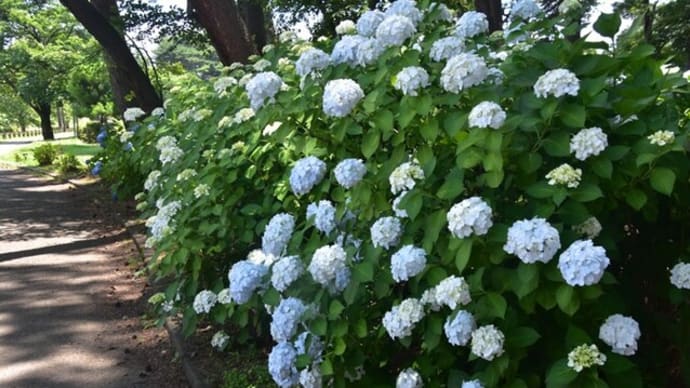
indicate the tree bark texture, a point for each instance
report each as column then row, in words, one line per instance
column 43, row 111
column 131, row 86
column 253, row 15
column 494, row 13
column 225, row 28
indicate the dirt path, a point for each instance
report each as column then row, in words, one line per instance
column 69, row 305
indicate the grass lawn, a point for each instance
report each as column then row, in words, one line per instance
column 24, row 156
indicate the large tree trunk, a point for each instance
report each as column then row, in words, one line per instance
column 227, row 32
column 128, row 78
column 253, row 15
column 43, row 111
column 494, row 12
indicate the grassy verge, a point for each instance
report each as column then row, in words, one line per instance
column 24, row 156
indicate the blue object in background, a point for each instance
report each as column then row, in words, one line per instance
column 102, row 135
column 97, row 168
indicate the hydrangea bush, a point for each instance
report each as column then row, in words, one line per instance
column 429, row 205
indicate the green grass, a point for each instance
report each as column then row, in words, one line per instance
column 24, row 156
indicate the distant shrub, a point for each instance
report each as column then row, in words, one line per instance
column 45, row 154
column 89, row 132
column 67, row 163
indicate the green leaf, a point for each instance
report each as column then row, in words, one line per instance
column 453, row 122
column 573, row 115
column 557, row 144
column 541, row 190
column 493, row 161
column 453, row 185
column 271, row 297
column 462, row 257
column 635, row 198
column 602, row 167
column 384, row 120
column 608, row 24
column 319, row 326
column 370, row 143
column 361, row 328
column 364, row 272
column 429, row 130
column 587, row 192
column 433, row 225
column 492, row 305
column 529, row 162
column 560, row 375
column 522, row 337
column 567, row 300
column 662, row 180
column 527, row 279
column 335, row 309
column 412, row 203
column 340, row 346
column 326, row 367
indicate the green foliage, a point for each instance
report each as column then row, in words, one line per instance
column 68, row 163
column 88, row 132
column 45, row 154
column 638, row 191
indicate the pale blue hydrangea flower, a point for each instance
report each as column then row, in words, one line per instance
column 245, row 278
column 583, row 263
column 407, row 262
column 286, row 318
column 395, row 30
column 340, row 97
column 459, row 328
column 281, row 365
column 305, row 174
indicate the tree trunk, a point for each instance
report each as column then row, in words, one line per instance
column 127, row 76
column 61, row 119
column 43, row 111
column 494, row 13
column 227, row 32
column 253, row 15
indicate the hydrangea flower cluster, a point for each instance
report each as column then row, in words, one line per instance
column 126, row 136
column 286, row 271
column 487, row 114
column 306, row 174
column 588, row 142
column 487, row 342
column 463, row 71
column 311, row 62
column 369, row 22
column 662, row 138
column 159, row 225
column 131, row 114
column 469, row 216
column 257, row 256
column 680, row 275
column 224, row 296
column 404, row 177
column 204, row 301
column 346, row 49
column 152, row 180
column 222, row 83
column 525, row 10
column 349, row 172
column 565, row 175
column 409, row 378
column 401, row 319
column 557, row 83
column 261, row 87
column 386, row 232
column 340, row 97
column 568, row 6
column 410, row 79
column 368, row 51
column 407, row 262
column 446, row 48
column 323, row 214
column 245, row 278
column 453, row 291
column 458, row 329
column 281, row 365
column 470, row 24
column 242, row 115
column 346, row 27
column 621, row 333
column 315, row 348
column 394, row 30
column 407, row 8
column 220, row 340
column 310, row 377
column 472, row 384
column 583, row 264
column 533, row 240
column 262, row 64
column 186, row 174
column 277, row 234
column 399, row 212
column 328, row 267
column 286, row 318
column 444, row 13
column 201, row 190
column 589, row 228
column 271, row 128
column 585, row 356
column 170, row 152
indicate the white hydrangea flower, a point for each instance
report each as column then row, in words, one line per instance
column 257, row 256
column 590, row 228
column 261, row 87
column 169, row 151
column 131, row 114
column 404, row 177
column 444, row 13
column 126, row 136
column 680, row 276
column 401, row 319
column 459, row 328
column 271, row 128
column 533, row 240
column 327, row 263
column 429, row 299
column 287, row 36
column 453, row 291
column 463, row 71
column 487, row 342
column 368, row 51
column 557, row 83
column 245, row 278
column 315, row 349
column 349, row 172
column 568, row 6
column 201, row 114
column 277, row 234
column 186, row 114
column 245, row 80
column 411, row 79
column 585, row 356
column 159, row 224
column 588, row 142
column 356, row 374
column 323, row 214
column 346, row 27
column 340, row 97
column 495, row 76
column 204, row 301
column 409, row 378
column 395, row 30
column 186, row 174
column 152, row 180
column 386, row 232
column 487, row 114
column 282, row 365
column 220, row 340
column 662, row 138
column 158, row 112
column 286, row 317
column 201, row 190
column 243, row 115
column 311, row 62
column 583, row 264
column 310, row 377
column 261, row 65
column 400, row 213
column 305, row 174
column 470, row 24
column 565, row 175
column 470, row 216
column 407, row 8
column 621, row 333
column 224, row 296
column 223, row 83
column 286, row 271
column 345, row 50
column 472, row 384
column 525, row 10
column 369, row 22
column 407, row 262
column 446, row 48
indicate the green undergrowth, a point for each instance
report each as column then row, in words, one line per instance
column 246, row 368
column 71, row 160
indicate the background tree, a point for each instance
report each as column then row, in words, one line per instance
column 14, row 112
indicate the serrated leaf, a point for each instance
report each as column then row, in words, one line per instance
column 364, row 272
column 636, row 198
column 662, row 180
